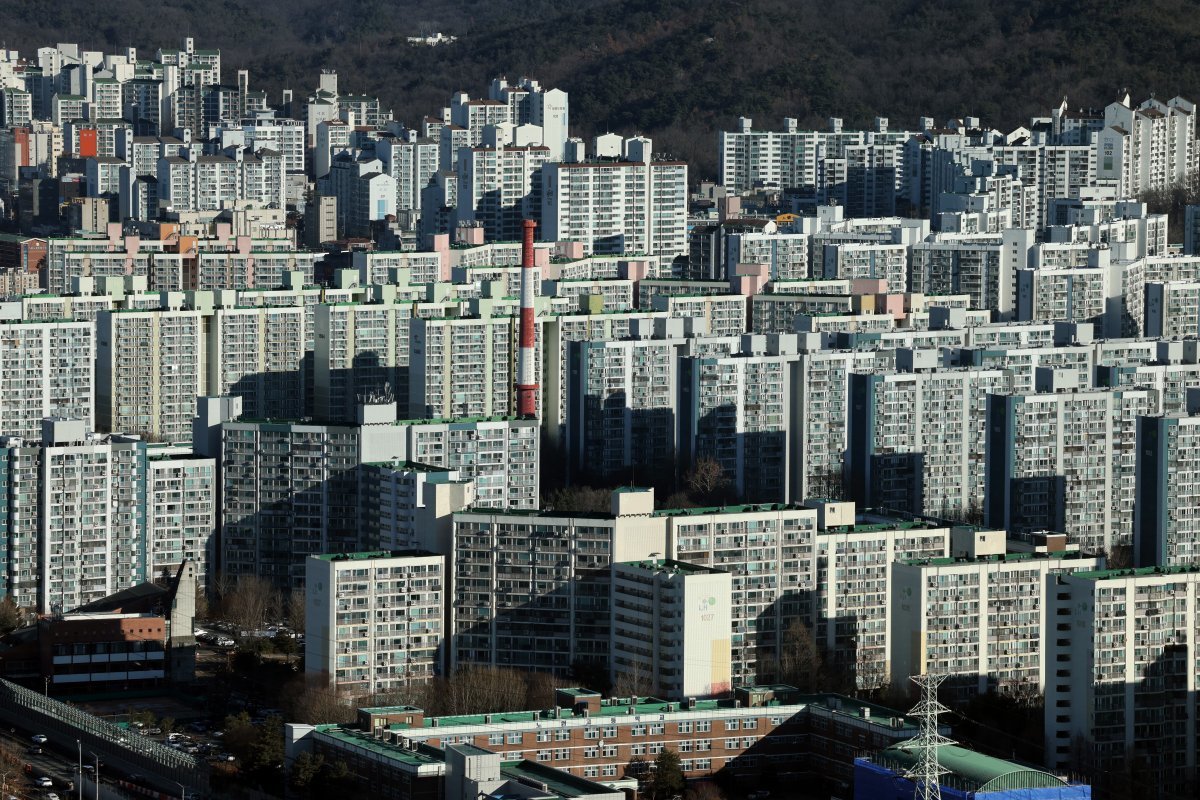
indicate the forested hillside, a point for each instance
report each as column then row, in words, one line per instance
column 678, row 69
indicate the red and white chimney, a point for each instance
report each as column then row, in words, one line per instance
column 527, row 389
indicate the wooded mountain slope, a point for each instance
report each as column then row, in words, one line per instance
column 678, row 69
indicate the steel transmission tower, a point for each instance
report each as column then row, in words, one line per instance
column 927, row 772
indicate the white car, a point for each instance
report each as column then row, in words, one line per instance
column 51, row 796
column 38, row 738
column 44, row 783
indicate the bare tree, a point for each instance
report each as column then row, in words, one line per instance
column 294, row 610
column 800, row 662
column 251, row 601
column 704, row 791
column 706, row 480
column 634, row 680
column 309, row 700
column 480, row 689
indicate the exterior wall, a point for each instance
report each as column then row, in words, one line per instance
column 375, row 620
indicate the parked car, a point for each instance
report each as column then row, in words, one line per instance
column 39, row 738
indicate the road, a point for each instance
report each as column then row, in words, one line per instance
column 58, row 760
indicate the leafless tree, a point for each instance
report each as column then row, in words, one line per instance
column 800, row 661
column 251, row 601
column 706, row 480
column 309, row 700
column 294, row 610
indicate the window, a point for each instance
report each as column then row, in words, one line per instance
column 591, row 733
column 562, row 754
column 638, row 730
column 514, row 738
column 543, row 736
column 731, row 725
column 685, row 727
column 562, row 735
column 543, row 755
column 703, row 726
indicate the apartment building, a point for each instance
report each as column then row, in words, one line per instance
column 851, row 580
column 671, row 623
column 720, row 314
column 181, row 513
column 375, row 620
column 76, row 516
column 406, row 505
column 1146, row 147
column 631, row 206
column 785, row 254
column 858, row 260
column 257, row 353
column 289, row 490
column 823, row 405
column 195, row 182
column 464, row 367
column 916, row 437
column 1166, row 527
column 499, row 187
column 499, row 455
column 531, row 589
column 360, row 350
column 150, row 368
column 738, row 410
column 980, row 617
column 1063, row 460
column 47, row 369
column 1124, row 650
column 961, row 265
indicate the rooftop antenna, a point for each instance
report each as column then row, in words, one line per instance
column 926, row 773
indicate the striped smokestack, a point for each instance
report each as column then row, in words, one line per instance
column 527, row 389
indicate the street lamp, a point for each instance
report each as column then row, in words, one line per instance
column 182, row 791
column 96, row 777
column 79, row 744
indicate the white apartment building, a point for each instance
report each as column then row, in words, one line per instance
column 981, row 617
column 531, row 589
column 375, row 620
column 195, row 182
column 1166, row 528
column 785, row 254
column 917, row 436
column 499, row 455
column 257, row 353
column 409, row 506
column 500, row 187
column 671, row 627
column 75, row 526
column 1064, row 460
column 47, row 369
column 634, row 206
column 769, row 550
column 974, row 267
column 360, row 350
column 150, row 367
column 1123, row 647
column 181, row 513
column 623, row 401
column 851, row 577
column 1172, row 310
column 289, row 490
column 719, row 314
column 1148, row 147
column 856, row 260
column 823, row 411
column 738, row 410
column 412, row 162
column 464, row 367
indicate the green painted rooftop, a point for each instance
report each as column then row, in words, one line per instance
column 978, row 771
column 368, row 555
column 1140, row 572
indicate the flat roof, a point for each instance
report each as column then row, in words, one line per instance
column 1107, row 574
column 671, row 565
column 368, row 742
column 369, row 555
column 558, row 781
